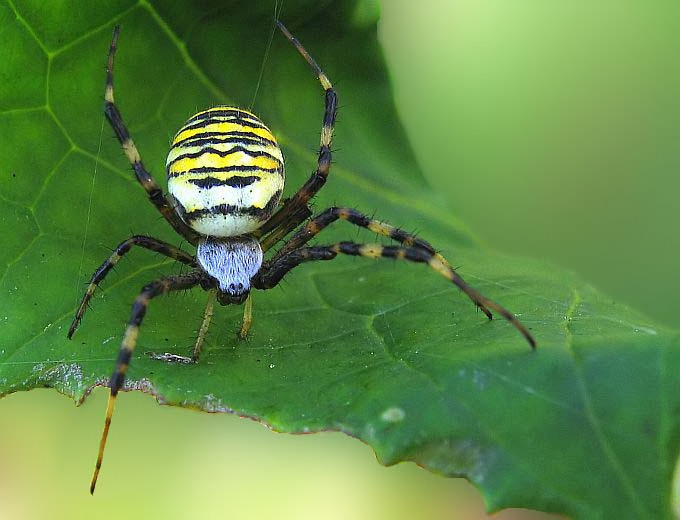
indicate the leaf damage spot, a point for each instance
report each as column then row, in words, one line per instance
column 393, row 414
column 211, row 403
column 63, row 375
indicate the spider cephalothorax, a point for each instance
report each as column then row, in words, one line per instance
column 232, row 264
column 225, row 178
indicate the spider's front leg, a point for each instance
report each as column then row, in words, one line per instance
column 203, row 331
column 169, row 357
column 156, row 288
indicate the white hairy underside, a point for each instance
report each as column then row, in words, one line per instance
column 232, row 262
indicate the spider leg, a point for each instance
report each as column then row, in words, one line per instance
column 281, row 231
column 247, row 317
column 321, row 221
column 155, row 288
column 143, row 176
column 124, row 247
column 200, row 337
column 327, row 217
column 207, row 318
column 277, row 269
column 293, row 205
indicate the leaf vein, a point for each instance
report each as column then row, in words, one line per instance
column 603, row 440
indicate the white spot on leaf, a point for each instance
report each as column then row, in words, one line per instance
column 393, row 414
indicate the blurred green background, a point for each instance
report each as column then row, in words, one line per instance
column 557, row 125
column 552, row 128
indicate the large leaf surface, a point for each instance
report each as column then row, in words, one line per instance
column 387, row 352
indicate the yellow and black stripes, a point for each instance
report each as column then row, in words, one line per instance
column 235, row 137
column 225, row 171
column 124, row 247
column 288, row 215
column 232, row 212
column 277, row 269
column 234, row 182
column 156, row 288
column 143, row 176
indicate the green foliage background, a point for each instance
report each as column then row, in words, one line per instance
column 568, row 411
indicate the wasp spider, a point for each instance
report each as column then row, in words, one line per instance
column 225, row 180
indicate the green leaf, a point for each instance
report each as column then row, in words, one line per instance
column 387, row 352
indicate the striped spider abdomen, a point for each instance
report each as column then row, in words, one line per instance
column 225, row 172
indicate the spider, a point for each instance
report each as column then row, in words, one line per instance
column 225, row 179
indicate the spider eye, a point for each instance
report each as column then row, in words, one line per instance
column 235, row 288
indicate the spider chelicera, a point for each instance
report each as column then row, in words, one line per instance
column 225, row 180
